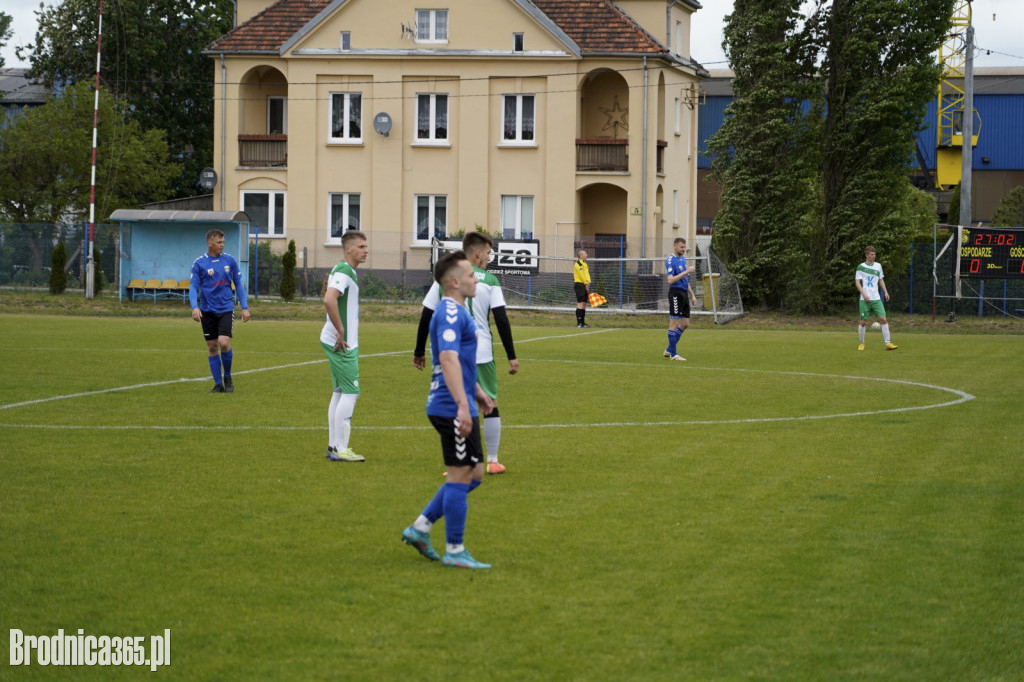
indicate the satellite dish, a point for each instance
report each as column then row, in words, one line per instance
column 382, row 123
column 208, row 179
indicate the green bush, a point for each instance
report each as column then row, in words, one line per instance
column 97, row 259
column 58, row 278
column 288, row 260
column 1010, row 212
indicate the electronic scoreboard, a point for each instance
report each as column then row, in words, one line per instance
column 993, row 252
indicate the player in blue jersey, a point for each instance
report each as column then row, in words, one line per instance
column 452, row 410
column 213, row 305
column 680, row 296
column 488, row 300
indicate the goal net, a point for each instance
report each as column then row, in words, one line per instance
column 630, row 285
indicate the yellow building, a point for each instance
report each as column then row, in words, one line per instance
column 566, row 121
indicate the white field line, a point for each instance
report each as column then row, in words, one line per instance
column 961, row 397
column 247, row 371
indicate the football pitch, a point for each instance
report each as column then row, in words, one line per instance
column 779, row 507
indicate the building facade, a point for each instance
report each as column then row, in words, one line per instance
column 565, row 121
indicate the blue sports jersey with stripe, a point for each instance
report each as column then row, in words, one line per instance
column 452, row 328
column 210, row 284
column 676, row 265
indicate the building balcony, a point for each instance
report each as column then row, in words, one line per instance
column 602, row 155
column 263, row 151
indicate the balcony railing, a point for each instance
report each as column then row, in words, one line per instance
column 263, row 150
column 602, row 155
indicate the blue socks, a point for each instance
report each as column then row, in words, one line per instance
column 673, row 339
column 437, row 507
column 215, row 368
column 226, row 361
column 455, row 508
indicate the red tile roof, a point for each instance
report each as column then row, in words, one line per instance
column 597, row 26
column 271, row 28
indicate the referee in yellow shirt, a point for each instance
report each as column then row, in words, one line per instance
column 581, row 283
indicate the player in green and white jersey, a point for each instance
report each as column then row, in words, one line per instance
column 869, row 279
column 340, row 341
column 487, row 301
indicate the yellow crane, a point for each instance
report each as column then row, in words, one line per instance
column 953, row 58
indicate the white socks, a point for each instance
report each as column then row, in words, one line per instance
column 492, row 435
column 885, row 333
column 339, row 419
column 860, row 330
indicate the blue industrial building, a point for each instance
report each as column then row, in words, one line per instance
column 998, row 162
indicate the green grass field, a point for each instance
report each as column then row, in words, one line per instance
column 780, row 507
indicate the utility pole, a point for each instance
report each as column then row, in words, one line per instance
column 967, row 149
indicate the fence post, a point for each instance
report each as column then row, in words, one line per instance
column 911, row 278
column 404, row 265
column 305, row 271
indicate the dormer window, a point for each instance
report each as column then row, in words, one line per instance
column 431, row 26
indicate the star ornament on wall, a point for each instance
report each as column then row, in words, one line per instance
column 617, row 116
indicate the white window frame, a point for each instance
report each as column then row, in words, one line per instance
column 679, row 116
column 512, row 204
column 433, row 36
column 346, row 103
column 346, row 215
column 432, row 201
column 345, row 41
column 675, row 208
column 272, row 230
column 518, row 139
column 432, row 139
column 284, row 114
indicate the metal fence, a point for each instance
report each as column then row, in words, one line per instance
column 26, row 253
column 403, row 275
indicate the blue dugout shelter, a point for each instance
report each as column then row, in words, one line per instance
column 163, row 244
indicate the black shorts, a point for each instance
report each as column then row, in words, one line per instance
column 678, row 303
column 458, row 451
column 581, row 292
column 217, row 324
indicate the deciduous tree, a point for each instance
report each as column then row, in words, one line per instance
column 46, row 157
column 765, row 155
column 1010, row 212
column 152, row 58
column 879, row 72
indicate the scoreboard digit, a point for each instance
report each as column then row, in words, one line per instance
column 992, row 252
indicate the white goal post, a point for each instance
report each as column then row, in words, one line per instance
column 631, row 285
